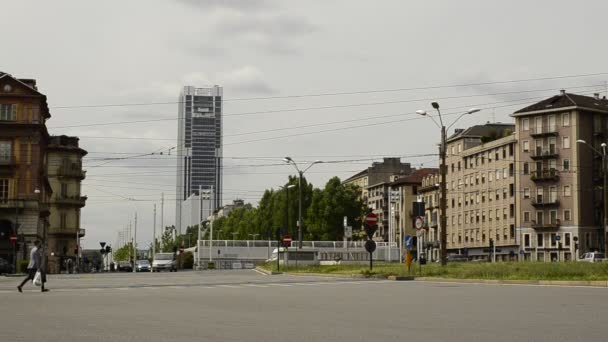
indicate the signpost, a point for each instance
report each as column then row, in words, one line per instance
column 371, row 226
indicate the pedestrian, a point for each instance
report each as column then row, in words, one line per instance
column 34, row 266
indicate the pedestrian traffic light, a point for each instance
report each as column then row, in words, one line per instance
column 108, row 249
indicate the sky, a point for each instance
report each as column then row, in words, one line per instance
column 331, row 80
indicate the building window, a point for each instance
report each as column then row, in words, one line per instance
column 497, row 194
column 8, row 112
column 63, row 218
column 566, row 142
column 526, row 146
column 566, row 164
column 504, row 193
column 490, row 176
column 453, row 150
column 5, row 150
column 567, row 239
column 504, row 213
column 526, row 192
column 539, row 240
column 567, row 191
column 526, row 240
column 566, row 119
column 526, row 216
column 497, row 214
column 459, row 148
column 3, row 189
column 525, row 122
column 511, row 190
column 64, row 190
column 497, row 174
column 505, row 174
column 567, row 215
column 553, row 239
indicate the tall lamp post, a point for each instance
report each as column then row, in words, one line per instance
column 604, row 189
column 443, row 172
column 288, row 160
column 286, row 188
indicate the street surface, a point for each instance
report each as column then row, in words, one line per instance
column 243, row 305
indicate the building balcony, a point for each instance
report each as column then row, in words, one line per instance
column 71, row 171
column 67, row 231
column 545, row 202
column 543, row 131
column 7, row 165
column 78, row 201
column 544, row 175
column 551, row 224
column 428, row 188
column 539, row 154
column 11, row 204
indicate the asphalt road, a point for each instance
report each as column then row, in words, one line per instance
column 246, row 306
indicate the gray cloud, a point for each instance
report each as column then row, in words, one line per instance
column 238, row 5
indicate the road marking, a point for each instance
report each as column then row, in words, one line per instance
column 229, row 286
column 282, row 285
column 254, row 285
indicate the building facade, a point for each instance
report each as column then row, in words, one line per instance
column 560, row 200
column 24, row 187
column 65, row 175
column 199, row 146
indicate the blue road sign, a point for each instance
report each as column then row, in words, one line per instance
column 408, row 242
column 558, row 237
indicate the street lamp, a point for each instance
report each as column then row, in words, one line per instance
column 288, row 160
column 286, row 188
column 604, row 189
column 443, row 171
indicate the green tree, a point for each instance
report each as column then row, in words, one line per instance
column 124, row 252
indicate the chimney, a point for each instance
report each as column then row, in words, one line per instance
column 596, row 96
column 562, row 92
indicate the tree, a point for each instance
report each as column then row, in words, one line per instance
column 124, row 252
column 328, row 209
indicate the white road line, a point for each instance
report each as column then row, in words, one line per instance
column 282, row 285
column 228, row 286
column 254, row 285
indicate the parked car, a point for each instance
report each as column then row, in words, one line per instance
column 5, row 266
column 593, row 257
column 164, row 261
column 142, row 266
column 457, row 258
column 124, row 266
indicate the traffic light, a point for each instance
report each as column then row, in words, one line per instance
column 75, row 251
column 108, row 249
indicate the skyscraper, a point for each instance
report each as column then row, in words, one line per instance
column 199, row 146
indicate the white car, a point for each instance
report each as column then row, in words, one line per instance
column 593, row 257
column 164, row 261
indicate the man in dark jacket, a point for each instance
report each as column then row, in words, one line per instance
column 34, row 266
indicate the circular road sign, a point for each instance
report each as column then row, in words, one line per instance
column 558, row 237
column 370, row 246
column 419, row 222
column 287, row 240
column 371, row 219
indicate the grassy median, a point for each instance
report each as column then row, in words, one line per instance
column 469, row 270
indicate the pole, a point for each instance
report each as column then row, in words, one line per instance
column 162, row 211
column 212, row 206
column 390, row 221
column 605, row 192
column 370, row 261
column 200, row 223
column 17, row 235
column 443, row 204
column 135, row 244
column 154, row 235
column 300, row 212
column 278, row 249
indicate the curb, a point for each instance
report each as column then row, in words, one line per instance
column 266, row 272
column 13, row 275
column 600, row 283
column 400, row 278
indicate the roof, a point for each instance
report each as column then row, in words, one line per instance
column 416, row 176
column 65, row 143
column 479, row 131
column 565, row 100
column 357, row 175
column 31, row 85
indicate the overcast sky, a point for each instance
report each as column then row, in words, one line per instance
column 143, row 52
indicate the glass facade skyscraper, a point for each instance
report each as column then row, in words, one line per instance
column 199, row 146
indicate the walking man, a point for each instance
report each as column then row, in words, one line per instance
column 34, row 266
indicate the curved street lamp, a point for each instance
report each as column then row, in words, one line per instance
column 443, row 171
column 289, row 160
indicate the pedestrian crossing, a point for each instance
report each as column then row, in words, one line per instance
column 236, row 286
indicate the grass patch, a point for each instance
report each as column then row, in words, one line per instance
column 581, row 271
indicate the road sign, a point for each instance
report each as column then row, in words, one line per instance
column 102, row 244
column 370, row 246
column 13, row 239
column 408, row 242
column 419, row 222
column 348, row 232
column 370, row 230
column 558, row 237
column 371, row 219
column 287, row 240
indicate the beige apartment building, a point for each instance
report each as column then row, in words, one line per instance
column 428, row 237
column 65, row 175
column 560, row 202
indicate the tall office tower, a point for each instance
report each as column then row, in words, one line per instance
column 199, row 147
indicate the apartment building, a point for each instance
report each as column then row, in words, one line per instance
column 480, row 180
column 561, row 198
column 405, row 191
column 374, row 184
column 429, row 236
column 65, row 175
column 24, row 187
